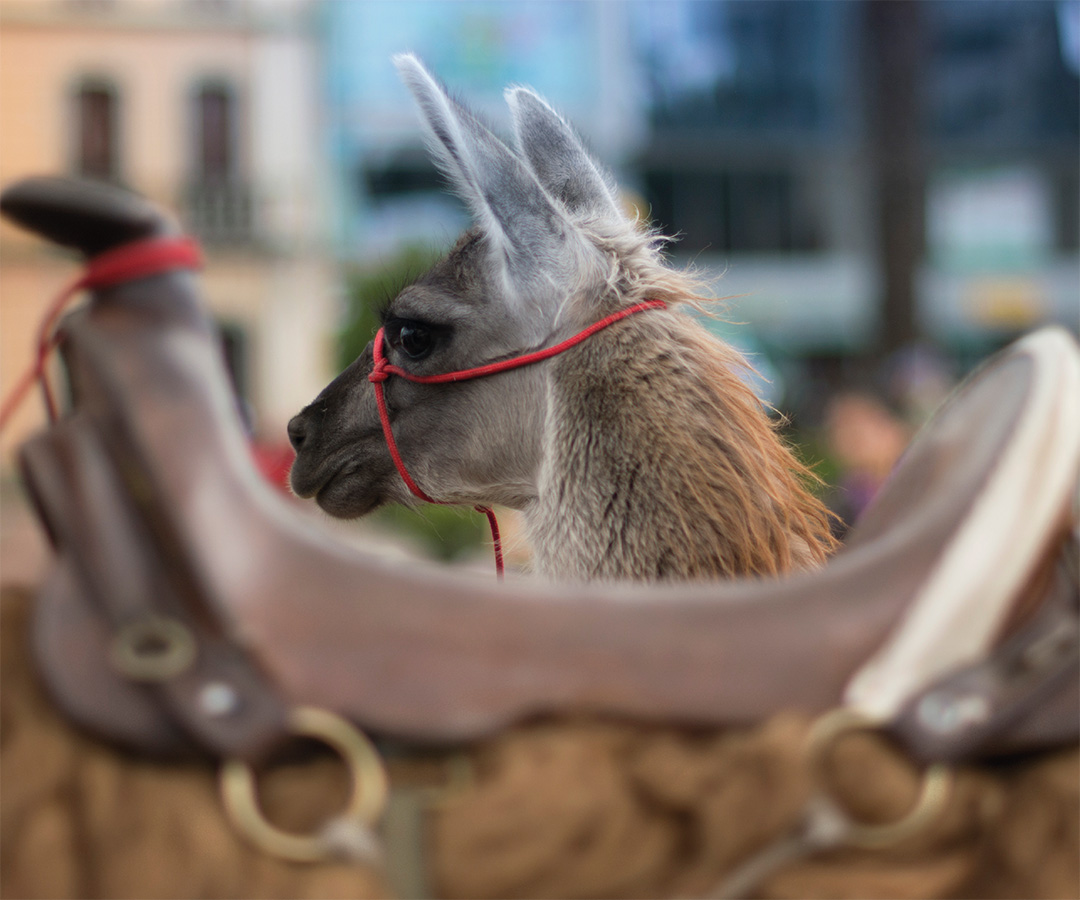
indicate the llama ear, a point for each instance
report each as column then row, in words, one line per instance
column 558, row 158
column 528, row 232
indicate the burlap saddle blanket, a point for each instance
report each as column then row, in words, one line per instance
column 901, row 723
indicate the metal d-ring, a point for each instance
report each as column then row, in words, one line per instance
column 367, row 800
column 933, row 792
column 154, row 648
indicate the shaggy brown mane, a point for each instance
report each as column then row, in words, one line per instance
column 721, row 494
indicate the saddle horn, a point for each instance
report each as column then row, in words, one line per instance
column 87, row 216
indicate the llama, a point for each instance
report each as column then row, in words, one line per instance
column 639, row 454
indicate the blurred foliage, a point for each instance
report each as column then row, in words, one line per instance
column 444, row 532
column 368, row 290
column 812, row 450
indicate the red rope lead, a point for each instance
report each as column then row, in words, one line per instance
column 384, row 418
column 382, row 370
column 496, row 538
column 139, row 259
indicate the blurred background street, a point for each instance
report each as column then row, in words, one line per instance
column 885, row 191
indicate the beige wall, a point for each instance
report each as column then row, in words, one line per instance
column 155, row 73
column 280, row 290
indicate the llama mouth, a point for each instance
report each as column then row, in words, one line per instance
column 344, row 484
column 304, row 482
column 308, row 482
column 344, row 496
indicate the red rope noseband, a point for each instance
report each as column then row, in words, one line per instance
column 139, row 259
column 383, row 369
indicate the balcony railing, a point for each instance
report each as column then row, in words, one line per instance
column 220, row 212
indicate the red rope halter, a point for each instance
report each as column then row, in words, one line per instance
column 384, row 369
column 139, row 259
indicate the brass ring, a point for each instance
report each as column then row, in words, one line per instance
column 152, row 649
column 933, row 792
column 370, row 788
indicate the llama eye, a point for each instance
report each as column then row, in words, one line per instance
column 413, row 339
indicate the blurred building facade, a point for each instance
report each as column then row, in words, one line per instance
column 760, row 132
column 769, row 160
column 211, row 109
column 577, row 53
column 812, row 166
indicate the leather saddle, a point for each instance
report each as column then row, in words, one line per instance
column 190, row 606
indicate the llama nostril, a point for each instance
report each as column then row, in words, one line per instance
column 297, row 432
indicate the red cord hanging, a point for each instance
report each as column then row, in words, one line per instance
column 139, row 259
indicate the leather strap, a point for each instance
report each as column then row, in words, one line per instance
column 104, row 514
column 1027, row 686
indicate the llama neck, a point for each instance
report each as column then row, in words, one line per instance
column 659, row 463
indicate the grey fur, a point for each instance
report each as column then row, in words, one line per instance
column 557, row 157
column 521, row 223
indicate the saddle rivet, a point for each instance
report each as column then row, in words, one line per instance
column 945, row 714
column 218, row 699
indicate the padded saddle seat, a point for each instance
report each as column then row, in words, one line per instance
column 959, row 536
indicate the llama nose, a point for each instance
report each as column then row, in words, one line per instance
column 297, row 429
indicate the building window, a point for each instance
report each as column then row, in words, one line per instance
column 234, row 348
column 97, row 114
column 218, row 200
column 741, row 67
column 401, row 178
column 215, row 114
column 733, row 211
column 1001, row 73
column 91, row 6
column 1067, row 210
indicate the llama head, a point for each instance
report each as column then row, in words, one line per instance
column 535, row 266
